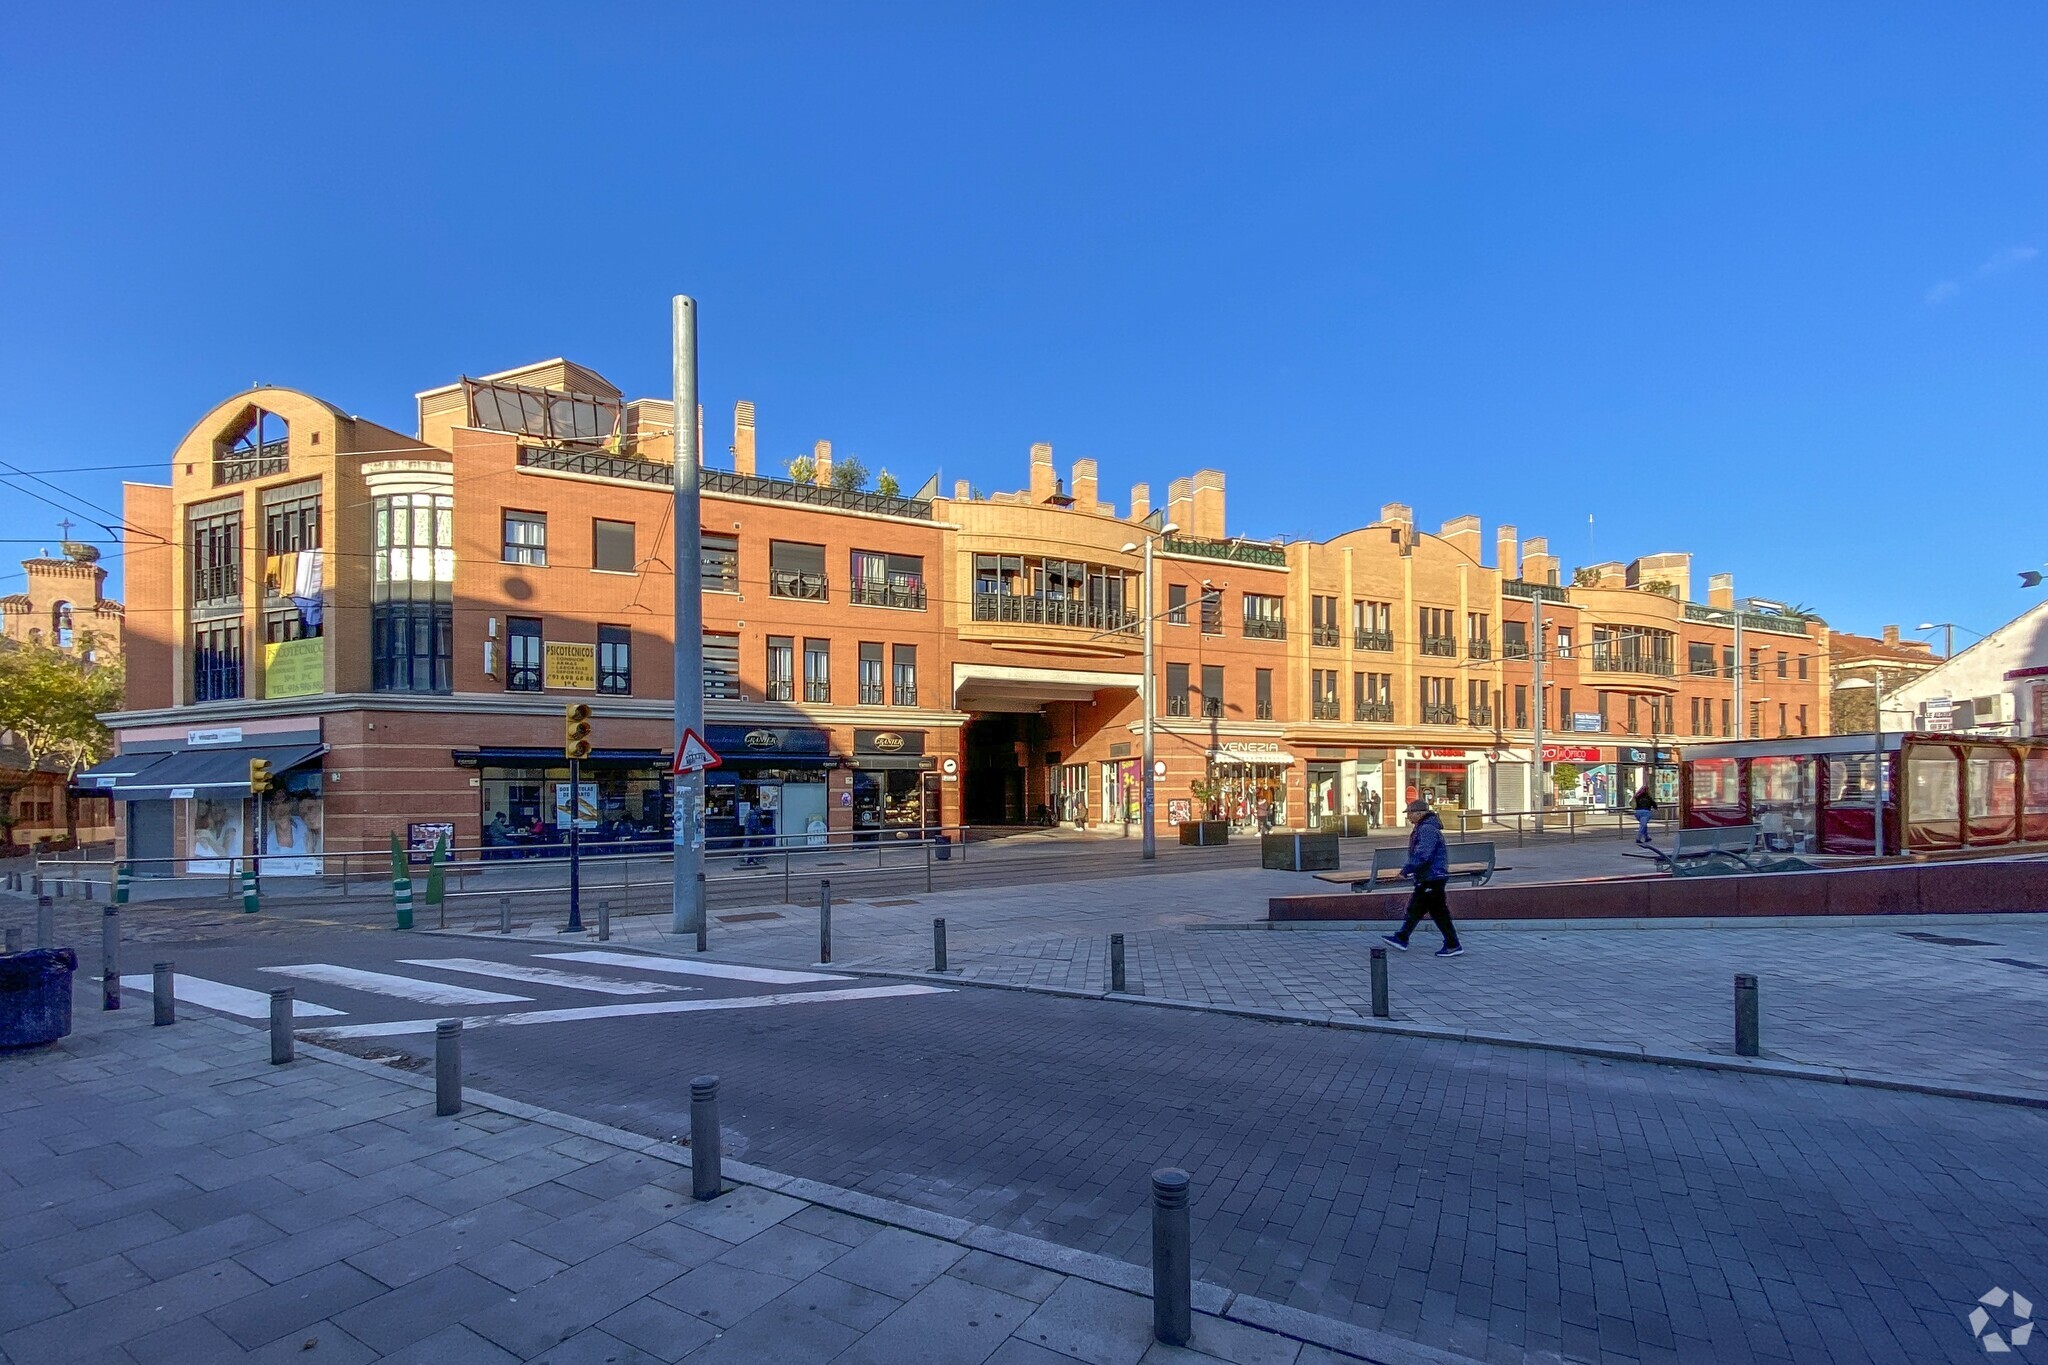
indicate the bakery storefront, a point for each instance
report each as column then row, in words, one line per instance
column 895, row 785
column 771, row 786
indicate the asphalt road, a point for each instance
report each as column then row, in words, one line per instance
column 1516, row 1205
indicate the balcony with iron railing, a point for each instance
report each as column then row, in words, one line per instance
column 1262, row 710
column 1437, row 713
column 1479, row 716
column 1478, row 647
column 1259, row 628
column 1326, row 708
column 1379, row 641
column 1515, row 587
column 1440, row 646
column 1327, row 637
column 523, row 678
column 1514, row 649
column 1044, row 611
column 818, row 692
column 871, row 694
column 252, row 462
column 780, row 689
column 1177, row 705
column 1236, row 551
column 808, row 587
column 906, row 695
column 1212, row 707
column 1382, row 711
column 605, row 465
column 904, row 596
column 1607, row 661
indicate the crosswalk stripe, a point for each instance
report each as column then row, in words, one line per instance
column 403, row 987
column 215, row 995
column 547, row 976
column 402, row 1027
column 767, row 976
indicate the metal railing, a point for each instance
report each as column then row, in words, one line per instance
column 1440, row 646
column 1326, row 708
column 522, row 678
column 1478, row 649
column 1373, row 710
column 1514, row 649
column 1236, row 551
column 905, row 696
column 1044, row 611
column 1257, row 628
column 871, row 694
column 272, row 457
column 1606, row 661
column 784, row 490
column 810, row 587
column 906, row 597
column 1380, row 641
column 780, row 689
column 1481, row 716
column 1326, row 636
column 1262, row 710
column 1434, row 713
column 818, row 692
column 1177, row 706
column 1212, row 707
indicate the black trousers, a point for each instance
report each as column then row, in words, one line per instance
column 1429, row 900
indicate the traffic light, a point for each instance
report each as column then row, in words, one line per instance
column 576, row 730
column 259, row 776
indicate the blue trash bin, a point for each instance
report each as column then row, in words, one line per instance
column 35, row 996
column 944, row 850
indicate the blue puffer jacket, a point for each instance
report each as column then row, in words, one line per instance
column 1428, row 859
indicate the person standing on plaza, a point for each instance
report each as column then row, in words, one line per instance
column 1429, row 862
column 1373, row 811
column 1646, row 807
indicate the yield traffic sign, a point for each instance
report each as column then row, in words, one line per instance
column 693, row 755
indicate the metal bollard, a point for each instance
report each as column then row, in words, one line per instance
column 110, row 959
column 1380, row 1008
column 1748, row 1026
column 938, row 945
column 46, row 923
column 1172, row 1263
column 282, row 1044
column 121, row 883
column 163, row 989
column 707, row 1178
column 604, row 921
column 825, row 921
column 1116, row 962
column 13, row 938
column 704, row 917
column 448, row 1067
column 504, row 914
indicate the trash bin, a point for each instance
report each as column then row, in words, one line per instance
column 943, row 849
column 35, row 996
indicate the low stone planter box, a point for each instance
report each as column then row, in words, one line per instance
column 1205, row 832
column 1292, row 852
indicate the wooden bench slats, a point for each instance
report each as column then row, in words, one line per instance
column 1469, row 862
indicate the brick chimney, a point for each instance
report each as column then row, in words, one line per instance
column 1180, row 505
column 1504, row 556
column 962, row 491
column 1538, row 564
column 1045, row 484
column 1398, row 514
column 821, row 455
column 1208, row 503
column 1891, row 635
column 1721, row 591
column 1084, row 486
column 1141, row 501
column 1464, row 535
column 743, row 436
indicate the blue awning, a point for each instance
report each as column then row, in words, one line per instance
column 209, row 772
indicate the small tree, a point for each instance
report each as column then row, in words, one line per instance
column 849, row 474
column 52, row 702
column 1564, row 777
column 886, row 485
column 803, row 469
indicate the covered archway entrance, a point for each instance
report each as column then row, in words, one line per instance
column 1024, row 726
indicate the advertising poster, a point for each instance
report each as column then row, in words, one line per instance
column 586, row 805
column 568, row 665
column 214, row 836
column 291, row 833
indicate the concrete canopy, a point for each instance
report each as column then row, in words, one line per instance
column 1005, row 687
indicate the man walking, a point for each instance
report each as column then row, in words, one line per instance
column 1429, row 862
column 1646, row 807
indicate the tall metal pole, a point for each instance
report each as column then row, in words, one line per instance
column 1542, row 792
column 1151, row 844
column 1877, row 775
column 686, row 815
column 1741, row 713
column 575, row 925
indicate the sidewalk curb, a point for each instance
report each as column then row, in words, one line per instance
column 1212, row 1300
column 2029, row 917
column 1704, row 1061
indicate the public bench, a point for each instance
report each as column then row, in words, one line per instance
column 1473, row 863
column 1696, row 850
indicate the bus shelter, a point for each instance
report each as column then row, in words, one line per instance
column 1812, row 794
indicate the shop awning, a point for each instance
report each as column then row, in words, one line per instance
column 1255, row 758
column 505, row 756
column 211, row 772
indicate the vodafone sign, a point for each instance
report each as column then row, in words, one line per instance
column 1570, row 753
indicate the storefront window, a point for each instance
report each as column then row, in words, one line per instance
column 1850, row 777
column 1322, row 794
column 523, row 806
column 293, row 827
column 1991, row 779
column 1440, row 784
column 214, row 836
column 1931, row 781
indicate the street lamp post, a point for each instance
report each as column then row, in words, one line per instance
column 1149, row 846
column 1948, row 635
column 1875, row 682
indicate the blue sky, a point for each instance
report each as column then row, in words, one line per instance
column 1768, row 283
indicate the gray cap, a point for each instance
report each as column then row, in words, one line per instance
column 1418, row 807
